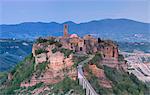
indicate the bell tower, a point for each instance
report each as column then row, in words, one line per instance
column 65, row 30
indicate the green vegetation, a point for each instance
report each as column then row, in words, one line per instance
column 21, row 72
column 38, row 85
column 39, row 51
column 54, row 50
column 3, row 77
column 41, row 66
column 41, row 40
column 78, row 59
column 95, row 82
column 97, row 59
column 120, row 58
column 66, row 52
column 123, row 83
column 48, row 41
column 58, row 44
column 66, row 85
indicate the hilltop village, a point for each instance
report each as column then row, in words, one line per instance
column 73, row 64
column 57, row 52
column 85, row 45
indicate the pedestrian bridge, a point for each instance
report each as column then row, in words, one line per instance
column 82, row 79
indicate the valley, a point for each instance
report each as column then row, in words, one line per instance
column 12, row 52
column 71, row 64
column 139, row 65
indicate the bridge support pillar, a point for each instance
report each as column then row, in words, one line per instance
column 87, row 91
column 80, row 81
column 84, row 84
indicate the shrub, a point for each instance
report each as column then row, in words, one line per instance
column 97, row 59
column 38, row 85
column 3, row 77
column 77, row 60
column 39, row 51
column 41, row 66
column 54, row 50
column 58, row 44
column 120, row 57
column 66, row 85
column 51, row 41
column 41, row 40
column 48, row 41
column 66, row 52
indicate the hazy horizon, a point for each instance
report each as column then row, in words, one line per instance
column 15, row 11
column 74, row 22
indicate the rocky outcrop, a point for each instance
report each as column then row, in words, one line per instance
column 41, row 58
column 10, row 76
column 57, row 69
column 99, row 74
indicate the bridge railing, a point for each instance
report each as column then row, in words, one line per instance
column 85, row 83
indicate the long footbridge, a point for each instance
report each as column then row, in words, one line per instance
column 82, row 79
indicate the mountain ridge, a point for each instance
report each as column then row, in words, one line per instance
column 77, row 23
column 115, row 29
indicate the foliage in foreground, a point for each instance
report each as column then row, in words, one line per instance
column 123, row 83
column 22, row 71
column 66, row 85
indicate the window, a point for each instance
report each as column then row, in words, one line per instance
column 113, row 52
column 80, row 48
column 99, row 40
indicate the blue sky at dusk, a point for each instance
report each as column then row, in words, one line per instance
column 17, row 11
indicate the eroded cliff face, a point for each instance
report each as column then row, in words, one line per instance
column 99, row 74
column 53, row 58
column 58, row 66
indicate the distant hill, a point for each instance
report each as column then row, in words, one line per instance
column 115, row 29
column 12, row 52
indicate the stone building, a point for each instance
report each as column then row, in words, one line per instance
column 86, row 44
column 89, row 44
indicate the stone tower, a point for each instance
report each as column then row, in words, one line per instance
column 66, row 31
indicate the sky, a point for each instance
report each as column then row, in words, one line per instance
column 78, row 11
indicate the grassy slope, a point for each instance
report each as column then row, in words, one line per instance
column 22, row 71
column 122, row 83
column 25, row 69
